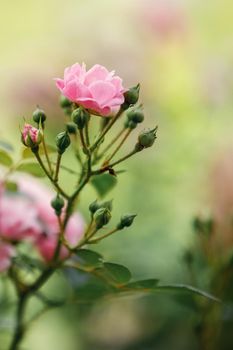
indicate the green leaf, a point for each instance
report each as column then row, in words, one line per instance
column 5, row 158
column 89, row 258
column 27, row 153
column 183, row 288
column 118, row 273
column 143, row 284
column 31, row 168
column 104, row 183
column 11, row 186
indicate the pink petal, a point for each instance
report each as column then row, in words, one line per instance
column 60, row 84
column 102, row 92
column 97, row 72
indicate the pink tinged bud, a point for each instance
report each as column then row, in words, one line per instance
column 97, row 89
column 6, row 253
column 31, row 136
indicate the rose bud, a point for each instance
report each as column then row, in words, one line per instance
column 126, row 221
column 30, row 136
column 39, row 116
column 57, row 204
column 71, row 128
column 65, row 102
column 131, row 96
column 130, row 124
column 94, row 206
column 136, row 115
column 147, row 137
column 62, row 141
column 102, row 216
column 80, row 117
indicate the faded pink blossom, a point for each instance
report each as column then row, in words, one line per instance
column 41, row 197
column 18, row 218
column 97, row 89
column 31, row 135
column 6, row 253
column 28, row 214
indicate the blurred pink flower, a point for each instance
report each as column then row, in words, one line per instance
column 166, row 18
column 18, row 218
column 6, row 253
column 96, row 89
column 30, row 135
column 41, row 197
column 28, row 214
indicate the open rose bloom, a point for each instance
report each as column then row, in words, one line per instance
column 28, row 215
column 97, row 89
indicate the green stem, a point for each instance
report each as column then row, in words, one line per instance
column 59, row 155
column 98, row 157
column 19, row 329
column 46, row 155
column 59, row 189
column 119, row 146
column 97, row 239
column 106, row 129
column 107, row 167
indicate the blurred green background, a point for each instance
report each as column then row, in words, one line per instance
column 181, row 52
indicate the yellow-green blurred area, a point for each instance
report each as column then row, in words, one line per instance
column 181, row 52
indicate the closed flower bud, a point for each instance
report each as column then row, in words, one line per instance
column 57, row 204
column 39, row 116
column 62, row 141
column 136, row 115
column 132, row 95
column 94, row 206
column 130, row 124
column 31, row 137
column 64, row 102
column 102, row 216
column 147, row 137
column 71, row 128
column 126, row 221
column 80, row 117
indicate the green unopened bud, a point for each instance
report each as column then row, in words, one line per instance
column 126, row 221
column 147, row 137
column 65, row 102
column 136, row 115
column 57, row 204
column 94, row 206
column 71, row 128
column 39, row 116
column 80, row 117
column 106, row 204
column 102, row 217
column 130, row 124
column 62, row 141
column 132, row 95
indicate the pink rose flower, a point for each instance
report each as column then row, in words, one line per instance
column 6, row 253
column 97, row 89
column 31, row 136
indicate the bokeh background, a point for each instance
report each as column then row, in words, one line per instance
column 181, row 52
